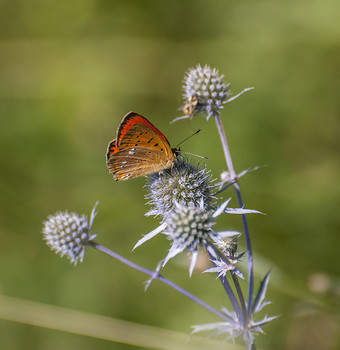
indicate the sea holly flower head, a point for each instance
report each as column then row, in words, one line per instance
column 205, row 91
column 182, row 197
column 188, row 227
column 226, row 241
column 184, row 183
column 68, row 234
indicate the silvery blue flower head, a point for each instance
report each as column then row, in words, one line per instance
column 205, row 91
column 188, row 227
column 68, row 234
column 182, row 196
column 184, row 183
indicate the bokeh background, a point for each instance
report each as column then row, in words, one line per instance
column 70, row 70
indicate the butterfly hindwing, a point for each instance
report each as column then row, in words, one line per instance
column 111, row 149
column 133, row 162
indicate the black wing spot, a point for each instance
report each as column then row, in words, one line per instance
column 150, row 140
column 156, row 144
column 162, row 149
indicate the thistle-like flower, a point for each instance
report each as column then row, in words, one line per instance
column 182, row 197
column 227, row 242
column 185, row 183
column 190, row 227
column 205, row 91
column 68, row 234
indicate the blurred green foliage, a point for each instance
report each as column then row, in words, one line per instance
column 70, row 70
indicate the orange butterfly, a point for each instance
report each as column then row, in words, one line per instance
column 139, row 149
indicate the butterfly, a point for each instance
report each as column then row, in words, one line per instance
column 139, row 149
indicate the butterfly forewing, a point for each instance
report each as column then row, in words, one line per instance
column 141, row 135
column 133, row 119
column 140, row 149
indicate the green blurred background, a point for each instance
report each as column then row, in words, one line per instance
column 70, row 70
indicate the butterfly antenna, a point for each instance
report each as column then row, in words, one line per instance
column 189, row 137
column 193, row 154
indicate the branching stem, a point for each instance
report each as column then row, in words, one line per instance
column 155, row 275
column 240, row 203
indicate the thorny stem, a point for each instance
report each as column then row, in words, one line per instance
column 240, row 203
column 155, row 275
